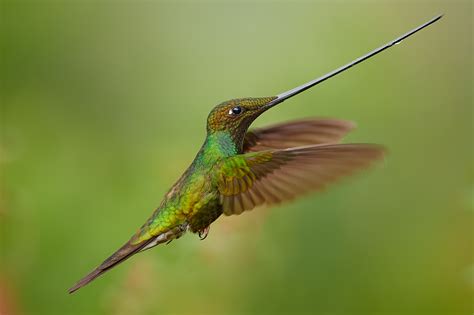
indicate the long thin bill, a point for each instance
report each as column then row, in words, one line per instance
column 283, row 96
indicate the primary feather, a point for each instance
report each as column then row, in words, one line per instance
column 273, row 176
column 296, row 133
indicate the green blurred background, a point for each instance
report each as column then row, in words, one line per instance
column 103, row 105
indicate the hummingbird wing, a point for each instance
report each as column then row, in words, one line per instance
column 296, row 133
column 273, row 176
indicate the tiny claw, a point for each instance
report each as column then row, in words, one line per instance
column 203, row 233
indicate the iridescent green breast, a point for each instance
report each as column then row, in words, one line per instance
column 194, row 199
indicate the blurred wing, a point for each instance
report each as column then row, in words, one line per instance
column 296, row 134
column 269, row 177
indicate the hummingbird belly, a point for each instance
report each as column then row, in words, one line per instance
column 207, row 213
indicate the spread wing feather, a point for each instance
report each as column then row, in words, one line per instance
column 273, row 176
column 296, row 133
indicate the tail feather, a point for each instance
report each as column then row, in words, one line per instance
column 128, row 250
column 122, row 254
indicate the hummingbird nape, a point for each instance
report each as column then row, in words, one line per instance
column 238, row 169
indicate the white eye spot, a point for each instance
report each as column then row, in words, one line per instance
column 235, row 111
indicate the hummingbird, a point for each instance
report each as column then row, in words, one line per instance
column 238, row 169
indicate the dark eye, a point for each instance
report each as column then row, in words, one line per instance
column 235, row 110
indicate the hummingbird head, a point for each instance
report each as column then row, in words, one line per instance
column 235, row 116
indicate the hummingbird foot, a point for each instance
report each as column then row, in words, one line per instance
column 203, row 233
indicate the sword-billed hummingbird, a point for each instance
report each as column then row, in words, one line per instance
column 238, row 169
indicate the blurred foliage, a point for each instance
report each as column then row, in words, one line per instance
column 103, row 105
